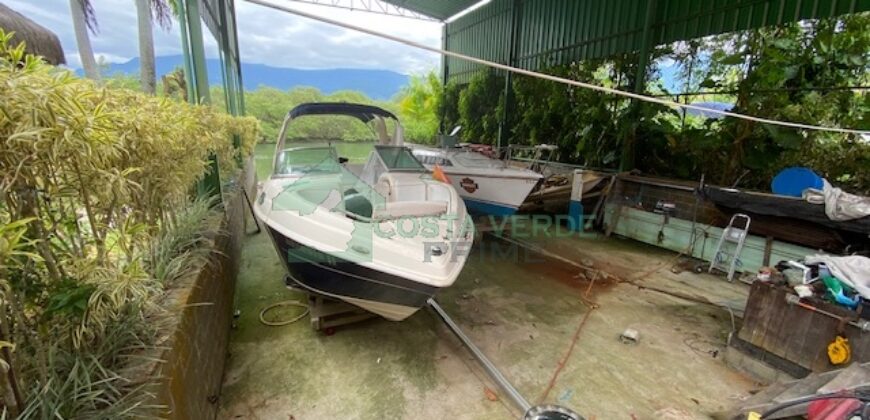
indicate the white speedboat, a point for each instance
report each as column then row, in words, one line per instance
column 488, row 186
column 385, row 239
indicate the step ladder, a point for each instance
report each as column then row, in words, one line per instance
column 733, row 234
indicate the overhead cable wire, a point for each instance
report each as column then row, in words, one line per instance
column 558, row 79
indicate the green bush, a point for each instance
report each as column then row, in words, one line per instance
column 480, row 107
column 797, row 72
column 416, row 105
column 419, row 103
column 95, row 189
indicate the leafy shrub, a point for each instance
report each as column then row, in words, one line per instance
column 95, row 222
column 416, row 105
column 419, row 103
column 798, row 72
column 480, row 107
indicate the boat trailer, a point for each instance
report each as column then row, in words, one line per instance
column 326, row 313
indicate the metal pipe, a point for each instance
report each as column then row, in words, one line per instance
column 862, row 324
column 490, row 368
column 646, row 181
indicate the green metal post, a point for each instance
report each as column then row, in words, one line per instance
column 196, row 51
column 226, row 54
column 445, row 71
column 227, row 71
column 234, row 42
column 504, row 127
column 626, row 163
column 188, row 59
column 236, row 59
column 197, row 83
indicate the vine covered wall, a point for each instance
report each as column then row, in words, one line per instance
column 815, row 72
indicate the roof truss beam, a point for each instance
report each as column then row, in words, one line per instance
column 369, row 6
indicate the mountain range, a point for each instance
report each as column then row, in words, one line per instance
column 376, row 84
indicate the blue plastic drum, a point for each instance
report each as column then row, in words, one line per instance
column 793, row 181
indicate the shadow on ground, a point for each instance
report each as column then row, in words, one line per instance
column 522, row 311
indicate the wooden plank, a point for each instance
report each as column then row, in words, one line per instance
column 777, row 331
column 751, row 312
column 796, row 334
column 860, row 342
column 814, row 352
column 765, row 309
column 800, row 327
column 770, row 311
column 768, row 248
column 784, row 365
column 825, row 331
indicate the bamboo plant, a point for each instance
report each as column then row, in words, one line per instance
column 97, row 222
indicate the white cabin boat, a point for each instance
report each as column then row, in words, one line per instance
column 385, row 240
column 488, row 186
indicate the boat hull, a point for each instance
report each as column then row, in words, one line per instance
column 392, row 297
column 481, row 207
column 487, row 194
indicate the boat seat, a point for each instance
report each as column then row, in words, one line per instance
column 383, row 188
column 397, row 209
column 401, row 187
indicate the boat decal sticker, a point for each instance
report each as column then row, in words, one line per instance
column 468, row 185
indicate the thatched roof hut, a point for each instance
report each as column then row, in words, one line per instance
column 39, row 40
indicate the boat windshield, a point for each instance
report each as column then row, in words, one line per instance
column 307, row 160
column 399, row 159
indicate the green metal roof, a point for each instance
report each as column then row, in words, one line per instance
column 533, row 34
column 438, row 9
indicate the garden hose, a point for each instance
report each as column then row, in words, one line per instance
column 279, row 304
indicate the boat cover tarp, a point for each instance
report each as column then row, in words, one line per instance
column 853, row 270
column 839, row 205
column 782, row 206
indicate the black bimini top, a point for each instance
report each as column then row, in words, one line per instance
column 365, row 113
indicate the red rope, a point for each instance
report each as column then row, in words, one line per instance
column 565, row 358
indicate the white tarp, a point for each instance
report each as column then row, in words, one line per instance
column 839, row 205
column 853, row 270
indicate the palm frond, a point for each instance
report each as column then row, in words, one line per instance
column 90, row 15
column 162, row 12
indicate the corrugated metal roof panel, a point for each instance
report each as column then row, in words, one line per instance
column 484, row 33
column 560, row 31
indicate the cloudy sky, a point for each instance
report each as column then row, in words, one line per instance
column 266, row 36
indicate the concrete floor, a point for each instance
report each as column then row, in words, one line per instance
column 522, row 312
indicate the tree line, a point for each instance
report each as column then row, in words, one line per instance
column 416, row 105
column 815, row 72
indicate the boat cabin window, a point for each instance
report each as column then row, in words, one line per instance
column 433, row 160
column 301, row 161
column 399, row 159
